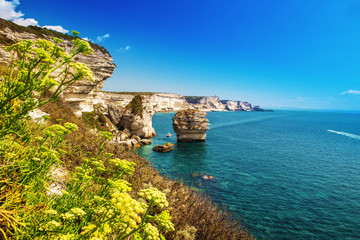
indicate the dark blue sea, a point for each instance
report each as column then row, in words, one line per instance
column 284, row 174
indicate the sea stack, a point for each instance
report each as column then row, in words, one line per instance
column 190, row 125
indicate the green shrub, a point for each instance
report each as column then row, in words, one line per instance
column 136, row 105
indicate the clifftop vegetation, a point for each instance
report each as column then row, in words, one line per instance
column 40, row 32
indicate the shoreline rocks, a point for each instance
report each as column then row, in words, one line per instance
column 190, row 125
column 164, row 148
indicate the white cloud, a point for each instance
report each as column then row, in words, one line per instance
column 126, row 48
column 87, row 39
column 8, row 12
column 56, row 28
column 26, row 22
column 102, row 38
column 351, row 92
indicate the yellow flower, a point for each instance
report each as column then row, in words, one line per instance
column 78, row 211
column 71, row 126
column 151, row 232
column 154, row 195
column 164, row 221
column 127, row 166
column 67, row 216
column 51, row 212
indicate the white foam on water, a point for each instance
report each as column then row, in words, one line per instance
column 238, row 122
column 345, row 134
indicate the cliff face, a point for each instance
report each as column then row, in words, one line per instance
column 83, row 94
column 160, row 102
column 206, row 104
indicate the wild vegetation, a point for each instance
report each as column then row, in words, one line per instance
column 95, row 202
column 136, row 105
column 103, row 191
column 40, row 32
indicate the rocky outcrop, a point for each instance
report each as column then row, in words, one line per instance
column 190, row 125
column 82, row 95
column 136, row 116
column 167, row 147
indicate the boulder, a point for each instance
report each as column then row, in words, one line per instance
column 164, row 148
column 145, row 141
column 137, row 138
column 134, row 143
column 190, row 125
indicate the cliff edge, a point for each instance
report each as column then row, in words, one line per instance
column 83, row 94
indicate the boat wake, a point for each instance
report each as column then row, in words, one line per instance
column 231, row 123
column 345, row 134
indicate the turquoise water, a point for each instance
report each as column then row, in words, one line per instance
column 284, row 174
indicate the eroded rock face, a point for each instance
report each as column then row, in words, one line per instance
column 136, row 116
column 190, row 125
column 206, row 104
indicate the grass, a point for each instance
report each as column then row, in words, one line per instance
column 194, row 215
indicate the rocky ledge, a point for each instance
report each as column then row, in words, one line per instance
column 190, row 125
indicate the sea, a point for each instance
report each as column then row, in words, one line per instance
column 283, row 174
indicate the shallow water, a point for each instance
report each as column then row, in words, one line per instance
column 284, row 174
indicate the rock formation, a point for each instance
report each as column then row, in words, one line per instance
column 136, row 116
column 190, row 125
column 206, row 104
column 82, row 95
column 164, row 148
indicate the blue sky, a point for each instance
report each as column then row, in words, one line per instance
column 279, row 53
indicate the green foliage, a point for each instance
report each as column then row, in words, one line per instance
column 95, row 201
column 37, row 64
column 193, row 99
column 136, row 105
column 96, row 120
column 40, row 32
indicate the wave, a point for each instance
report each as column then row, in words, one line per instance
column 345, row 134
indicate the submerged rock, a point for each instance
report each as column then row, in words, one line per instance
column 207, row 177
column 164, row 148
column 190, row 125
